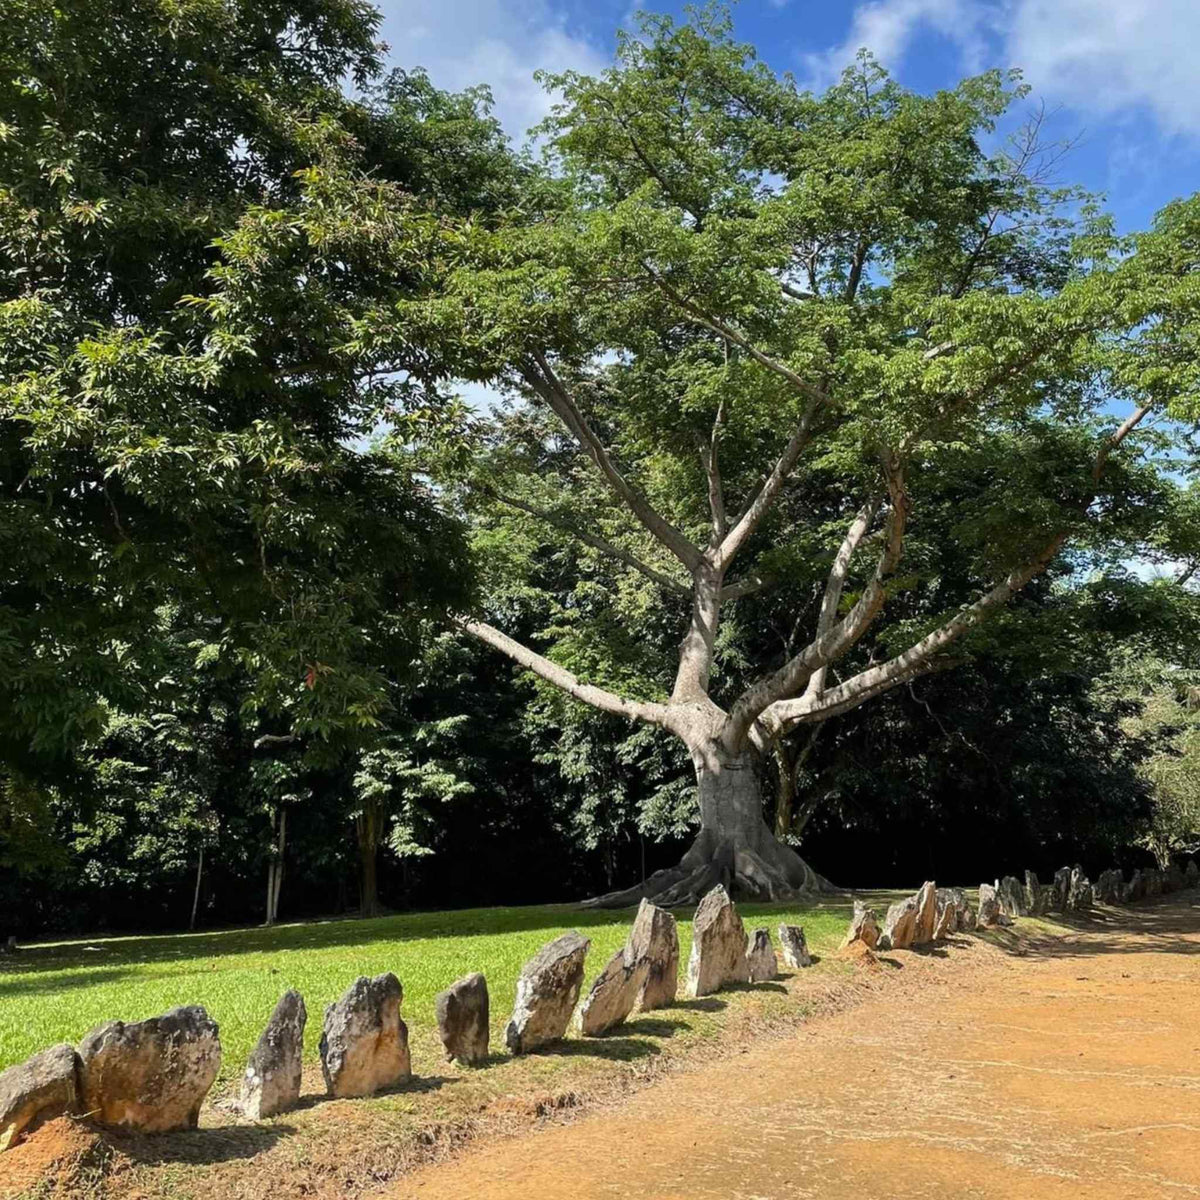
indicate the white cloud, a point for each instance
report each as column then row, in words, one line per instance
column 1108, row 55
column 887, row 28
column 498, row 42
column 1099, row 56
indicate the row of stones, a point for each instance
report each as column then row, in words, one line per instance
column 928, row 915
column 153, row 1075
column 1072, row 891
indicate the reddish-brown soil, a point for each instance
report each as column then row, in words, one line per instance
column 1064, row 1068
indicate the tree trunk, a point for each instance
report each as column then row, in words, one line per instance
column 368, row 825
column 734, row 847
column 196, row 894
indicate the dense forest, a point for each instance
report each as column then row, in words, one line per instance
column 836, row 521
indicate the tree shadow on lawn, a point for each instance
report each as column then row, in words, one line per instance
column 350, row 931
column 1161, row 925
column 62, row 982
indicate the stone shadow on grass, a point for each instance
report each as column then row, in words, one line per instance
column 706, row 1004
column 612, row 1046
column 224, row 1143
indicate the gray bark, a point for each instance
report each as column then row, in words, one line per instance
column 734, row 848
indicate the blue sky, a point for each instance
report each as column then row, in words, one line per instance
column 1121, row 75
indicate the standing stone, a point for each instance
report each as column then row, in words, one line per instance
column 364, row 1043
column 947, row 915
column 654, row 940
column 613, row 995
column 864, row 927
column 1109, row 886
column 1152, row 878
column 152, row 1075
column 1062, row 889
column 1033, row 895
column 38, row 1090
column 926, row 923
column 462, row 1019
column 1011, row 895
column 547, row 991
column 271, row 1081
column 1176, row 881
column 718, row 946
column 899, row 925
column 1191, row 873
column 964, row 914
column 760, row 957
column 1079, row 893
column 989, row 905
column 795, row 947
column 1135, row 889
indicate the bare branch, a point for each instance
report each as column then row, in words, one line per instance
column 876, row 679
column 760, row 503
column 726, row 331
column 712, row 471
column 560, row 677
column 594, row 540
column 831, row 645
column 837, row 579
column 746, row 587
column 546, row 384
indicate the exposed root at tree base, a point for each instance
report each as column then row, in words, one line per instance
column 755, row 868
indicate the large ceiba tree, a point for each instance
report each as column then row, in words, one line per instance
column 731, row 295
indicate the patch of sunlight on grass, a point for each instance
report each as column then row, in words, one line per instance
column 57, row 992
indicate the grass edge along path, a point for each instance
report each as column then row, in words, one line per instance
column 328, row 1149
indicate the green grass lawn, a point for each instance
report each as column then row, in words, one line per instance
column 57, row 992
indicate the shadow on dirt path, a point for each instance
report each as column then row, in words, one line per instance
column 1062, row 1068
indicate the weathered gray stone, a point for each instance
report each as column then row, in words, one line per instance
column 1176, row 881
column 462, row 1019
column 1135, row 889
column 947, row 915
column 1191, row 873
column 864, row 927
column 989, row 905
column 364, row 1043
column 547, row 991
column 1152, row 882
column 271, row 1080
column 1079, row 895
column 718, row 953
column 1062, row 889
column 1109, row 886
column 1033, row 894
column 38, row 1090
column 1011, row 895
column 795, row 948
column 899, row 925
column 964, row 914
column 613, row 995
column 151, row 1075
column 761, row 962
column 926, row 922
column 654, row 940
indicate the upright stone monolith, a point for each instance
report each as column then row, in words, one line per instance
column 271, row 1080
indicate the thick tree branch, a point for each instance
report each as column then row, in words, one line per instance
column 546, row 384
column 760, row 503
column 784, row 713
column 712, row 471
column 831, row 645
column 609, row 702
column 837, row 579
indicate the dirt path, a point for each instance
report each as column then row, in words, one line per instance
column 1070, row 1070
